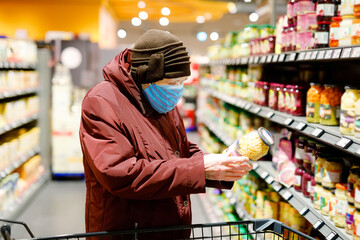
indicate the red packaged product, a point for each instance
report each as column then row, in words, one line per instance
column 298, row 100
column 273, row 95
column 289, row 89
column 281, row 97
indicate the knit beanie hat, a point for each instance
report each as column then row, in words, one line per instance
column 157, row 55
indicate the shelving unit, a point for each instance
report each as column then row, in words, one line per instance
column 19, row 93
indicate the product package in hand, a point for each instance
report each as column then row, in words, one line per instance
column 253, row 145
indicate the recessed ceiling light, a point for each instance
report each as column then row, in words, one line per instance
column 253, row 17
column 141, row 4
column 201, row 36
column 143, row 15
column 136, row 21
column 164, row 21
column 165, row 11
column 121, row 33
column 214, row 36
column 232, row 7
column 200, row 19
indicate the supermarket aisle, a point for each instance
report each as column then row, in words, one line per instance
column 59, row 208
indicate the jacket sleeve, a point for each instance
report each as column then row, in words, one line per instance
column 112, row 160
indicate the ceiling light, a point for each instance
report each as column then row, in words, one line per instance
column 253, row 17
column 165, row 11
column 136, row 21
column 208, row 16
column 232, row 7
column 201, row 36
column 214, row 36
column 121, row 33
column 247, row 1
column 200, row 19
column 143, row 15
column 141, row 4
column 164, row 21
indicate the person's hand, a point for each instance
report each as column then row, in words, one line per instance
column 223, row 168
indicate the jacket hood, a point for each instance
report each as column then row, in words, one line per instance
column 117, row 71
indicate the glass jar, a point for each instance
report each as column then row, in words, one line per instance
column 321, row 37
column 325, row 200
column 351, row 181
column 309, row 157
column 350, row 211
column 347, row 112
column 341, row 205
column 299, row 151
column 331, row 204
column 346, row 7
column 313, row 103
column 273, row 95
column 312, row 188
column 290, row 12
column 355, row 30
column 264, row 94
column 289, row 89
column 311, row 21
column 356, row 228
column 333, row 168
column 302, row 6
column 299, row 173
column 356, row 6
column 345, row 30
column 325, row 10
column 281, row 98
column 317, row 196
column 298, row 100
column 357, row 193
column 291, row 38
column 284, row 39
column 330, row 105
column 319, row 167
column 306, row 185
column 334, row 32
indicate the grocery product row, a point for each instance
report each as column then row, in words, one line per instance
column 14, row 81
column 17, row 53
column 308, row 25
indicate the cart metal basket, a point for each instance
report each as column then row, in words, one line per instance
column 264, row 229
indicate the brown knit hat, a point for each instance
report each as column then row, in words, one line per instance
column 158, row 54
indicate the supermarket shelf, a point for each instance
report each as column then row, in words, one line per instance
column 19, row 162
column 317, row 55
column 25, row 198
column 326, row 134
column 213, row 126
column 11, row 94
column 12, row 126
column 16, row 66
column 267, row 172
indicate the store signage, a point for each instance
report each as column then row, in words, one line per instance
column 336, row 54
column 301, row 126
column 344, row 143
column 317, row 132
column 288, row 121
column 328, row 54
column 355, row 52
column 346, row 53
column 321, row 55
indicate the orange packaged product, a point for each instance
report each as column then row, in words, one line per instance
column 313, row 103
column 355, row 30
column 330, row 101
column 334, row 32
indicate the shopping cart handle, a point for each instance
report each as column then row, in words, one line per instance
column 6, row 232
column 268, row 224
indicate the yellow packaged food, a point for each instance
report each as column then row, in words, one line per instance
column 253, row 145
column 347, row 114
column 341, row 205
column 350, row 211
column 356, row 229
column 330, row 105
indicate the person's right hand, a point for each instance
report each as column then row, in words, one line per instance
column 223, row 168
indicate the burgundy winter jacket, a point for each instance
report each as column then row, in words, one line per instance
column 139, row 166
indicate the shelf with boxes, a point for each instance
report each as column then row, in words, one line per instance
column 266, row 171
column 327, row 134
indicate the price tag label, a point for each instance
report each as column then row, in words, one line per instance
column 355, row 52
column 318, row 224
column 304, row 211
column 269, row 180
column 308, row 56
column 256, row 110
column 357, row 151
column 251, row 60
column 264, row 175
column 256, row 59
column 6, row 65
column 301, row 56
column 344, row 142
column 292, row 57
column 244, row 60
column 332, row 236
column 275, row 58
column 317, row 132
column 248, row 106
column 237, row 61
column 288, row 121
column 287, row 195
column 321, row 55
column 263, row 59
column 270, row 114
column 276, row 186
column 255, row 166
column 269, row 58
column 346, row 53
column 301, row 126
column 313, row 55
column 336, row 54
column 281, row 57
column 328, row 54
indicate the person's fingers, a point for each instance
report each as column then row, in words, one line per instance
column 233, row 159
column 241, row 166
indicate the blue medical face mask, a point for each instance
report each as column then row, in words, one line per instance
column 163, row 98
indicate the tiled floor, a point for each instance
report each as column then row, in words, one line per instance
column 59, row 208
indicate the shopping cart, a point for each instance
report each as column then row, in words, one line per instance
column 264, row 229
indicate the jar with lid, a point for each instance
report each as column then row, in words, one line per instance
column 318, row 190
column 341, row 205
column 355, row 30
column 284, row 39
column 356, row 228
column 263, row 94
column 306, row 185
column 298, row 100
column 347, row 112
column 325, row 10
column 289, row 90
column 290, row 12
column 299, row 151
column 330, row 100
column 273, row 95
column 333, row 168
column 350, row 211
column 309, row 157
column 321, row 36
column 351, row 183
column 332, row 203
column 299, row 173
column 256, row 92
column 313, row 103
column 345, row 30
column 312, row 188
column 281, row 98
column 334, row 32
column 319, row 167
column 325, row 200
column 346, row 7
